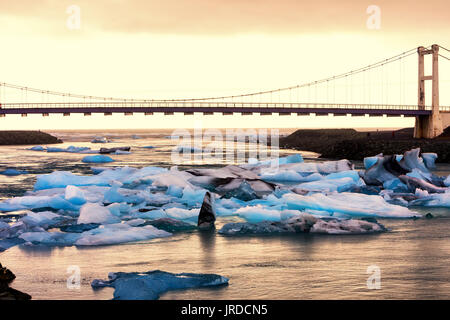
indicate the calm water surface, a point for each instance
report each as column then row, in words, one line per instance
column 414, row 256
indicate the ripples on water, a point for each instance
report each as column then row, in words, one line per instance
column 413, row 256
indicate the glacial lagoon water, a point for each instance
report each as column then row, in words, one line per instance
column 413, row 256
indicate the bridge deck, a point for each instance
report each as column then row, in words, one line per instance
column 190, row 107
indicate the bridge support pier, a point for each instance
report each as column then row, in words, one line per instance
column 431, row 126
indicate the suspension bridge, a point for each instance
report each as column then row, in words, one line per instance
column 384, row 88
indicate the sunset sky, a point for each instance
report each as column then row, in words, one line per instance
column 180, row 48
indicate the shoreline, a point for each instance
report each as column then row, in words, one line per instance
column 23, row 137
column 356, row 145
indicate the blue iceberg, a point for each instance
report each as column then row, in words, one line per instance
column 150, row 285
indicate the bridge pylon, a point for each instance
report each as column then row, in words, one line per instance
column 428, row 126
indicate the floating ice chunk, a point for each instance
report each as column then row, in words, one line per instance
column 429, row 160
column 193, row 196
column 119, row 152
column 55, row 149
column 433, row 200
column 97, row 159
column 75, row 195
column 103, row 235
column 352, row 204
column 95, row 213
column 412, row 160
column 421, row 193
column 447, row 181
column 172, row 225
column 172, row 178
column 61, row 179
column 321, row 167
column 50, row 238
column 37, row 148
column 119, row 233
column 370, row 161
column 34, row 202
column 182, row 214
column 290, row 175
column 294, row 158
column 100, row 140
column 135, row 222
column 414, row 183
column 150, row 214
column 150, row 285
column 350, row 226
column 44, row 218
column 396, row 185
column 303, row 223
column 4, row 230
column 416, row 173
column 119, row 209
column 385, row 169
column 344, row 174
column 329, row 185
column 97, row 170
column 188, row 149
column 12, row 172
column 175, row 191
column 258, row 214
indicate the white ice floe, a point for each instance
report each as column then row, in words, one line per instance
column 34, row 202
column 95, row 213
column 447, row 181
column 12, row 172
column 61, row 179
column 150, row 285
column 352, row 204
column 97, row 159
column 433, row 200
column 290, row 176
column 103, row 235
column 74, row 195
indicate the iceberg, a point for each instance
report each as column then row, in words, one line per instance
column 97, row 159
column 304, row 223
column 150, row 285
column 347, row 203
column 37, row 148
column 329, row 185
column 95, row 213
column 103, row 235
column 119, row 233
column 12, row 172
column 74, row 195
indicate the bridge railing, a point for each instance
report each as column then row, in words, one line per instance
column 206, row 104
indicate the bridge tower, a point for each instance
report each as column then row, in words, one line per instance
column 428, row 126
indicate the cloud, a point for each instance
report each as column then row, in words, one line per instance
column 229, row 16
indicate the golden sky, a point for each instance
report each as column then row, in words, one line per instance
column 180, row 48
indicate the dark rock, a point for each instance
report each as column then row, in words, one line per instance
column 7, row 293
column 429, row 216
column 207, row 215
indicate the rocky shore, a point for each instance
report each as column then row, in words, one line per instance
column 27, row 138
column 6, row 292
column 356, row 145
